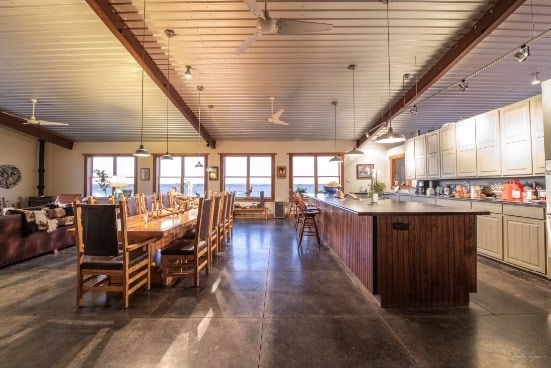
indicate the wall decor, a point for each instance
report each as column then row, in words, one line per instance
column 282, row 172
column 364, row 171
column 213, row 173
column 10, row 176
column 145, row 174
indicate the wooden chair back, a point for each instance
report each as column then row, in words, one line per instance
column 132, row 206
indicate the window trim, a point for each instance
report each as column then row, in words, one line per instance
column 222, row 177
column 157, row 168
column 88, row 174
column 315, row 156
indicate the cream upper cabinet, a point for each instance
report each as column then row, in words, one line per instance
column 433, row 154
column 420, row 157
column 536, row 124
column 488, row 145
column 516, row 142
column 448, row 152
column 465, row 138
column 409, row 149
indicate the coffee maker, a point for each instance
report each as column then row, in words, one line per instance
column 420, row 189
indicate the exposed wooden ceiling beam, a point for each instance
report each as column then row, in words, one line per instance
column 489, row 22
column 105, row 10
column 17, row 124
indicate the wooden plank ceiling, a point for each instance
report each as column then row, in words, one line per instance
column 61, row 53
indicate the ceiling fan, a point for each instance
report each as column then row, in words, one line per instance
column 33, row 120
column 267, row 25
column 275, row 117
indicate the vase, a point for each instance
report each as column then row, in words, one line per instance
column 374, row 197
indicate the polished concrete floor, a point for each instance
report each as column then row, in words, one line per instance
column 267, row 305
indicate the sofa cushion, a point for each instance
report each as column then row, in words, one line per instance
column 67, row 199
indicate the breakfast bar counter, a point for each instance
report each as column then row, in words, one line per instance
column 406, row 254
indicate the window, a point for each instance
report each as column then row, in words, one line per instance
column 312, row 172
column 122, row 166
column 180, row 173
column 248, row 175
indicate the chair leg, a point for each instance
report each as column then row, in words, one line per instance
column 80, row 296
column 196, row 273
column 301, row 233
column 125, row 293
column 317, row 233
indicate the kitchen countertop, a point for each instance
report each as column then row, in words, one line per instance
column 487, row 200
column 385, row 207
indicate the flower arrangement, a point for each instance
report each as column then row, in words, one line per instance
column 102, row 180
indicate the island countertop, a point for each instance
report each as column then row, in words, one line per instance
column 386, row 207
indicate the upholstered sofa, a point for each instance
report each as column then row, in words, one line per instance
column 17, row 242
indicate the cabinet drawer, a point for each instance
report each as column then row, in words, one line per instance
column 491, row 207
column 453, row 203
column 524, row 211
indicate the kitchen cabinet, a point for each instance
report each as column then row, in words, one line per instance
column 465, row 137
column 516, row 143
column 489, row 230
column 433, row 154
column 536, row 124
column 409, row 150
column 488, row 147
column 448, row 152
column 420, row 157
column 524, row 237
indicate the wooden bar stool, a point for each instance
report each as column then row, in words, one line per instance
column 308, row 225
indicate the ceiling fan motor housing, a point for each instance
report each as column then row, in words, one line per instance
column 266, row 26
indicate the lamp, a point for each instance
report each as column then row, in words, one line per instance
column 536, row 79
column 336, row 158
column 390, row 136
column 118, row 182
column 355, row 151
column 199, row 88
column 187, row 74
column 169, row 33
column 141, row 151
column 523, row 53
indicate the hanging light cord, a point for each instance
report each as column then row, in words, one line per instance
column 335, row 104
column 388, row 54
column 354, row 101
column 143, row 64
column 167, row 89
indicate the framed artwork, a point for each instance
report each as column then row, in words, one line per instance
column 145, row 174
column 213, row 174
column 364, row 171
column 281, row 172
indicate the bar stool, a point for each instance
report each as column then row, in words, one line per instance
column 308, row 226
column 293, row 209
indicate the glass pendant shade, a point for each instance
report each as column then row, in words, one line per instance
column 198, row 164
column 167, row 156
column 141, row 152
column 354, row 152
column 336, row 158
column 391, row 137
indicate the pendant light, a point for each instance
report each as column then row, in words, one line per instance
column 169, row 33
column 336, row 158
column 187, row 74
column 355, row 151
column 199, row 88
column 141, row 151
column 390, row 136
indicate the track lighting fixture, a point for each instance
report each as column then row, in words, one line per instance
column 413, row 109
column 523, row 53
column 463, row 85
column 187, row 74
column 535, row 78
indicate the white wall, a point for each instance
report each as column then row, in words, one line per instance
column 65, row 168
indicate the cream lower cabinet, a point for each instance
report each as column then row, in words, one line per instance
column 489, row 230
column 524, row 238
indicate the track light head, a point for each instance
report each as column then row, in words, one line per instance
column 187, row 74
column 413, row 110
column 535, row 78
column 523, row 53
column 463, row 85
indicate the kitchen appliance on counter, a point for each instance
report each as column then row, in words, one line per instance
column 420, row 189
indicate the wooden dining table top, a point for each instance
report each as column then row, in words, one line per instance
column 159, row 227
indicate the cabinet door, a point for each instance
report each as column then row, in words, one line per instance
column 433, row 165
column 524, row 242
column 433, row 142
column 466, row 162
column 447, row 138
column 448, row 160
column 465, row 134
column 488, row 145
column 489, row 235
column 409, row 150
column 536, row 124
column 516, row 142
column 420, row 157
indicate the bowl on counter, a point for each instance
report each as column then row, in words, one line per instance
column 331, row 190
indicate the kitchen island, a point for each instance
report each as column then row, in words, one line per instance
column 406, row 254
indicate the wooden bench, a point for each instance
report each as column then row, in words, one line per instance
column 249, row 210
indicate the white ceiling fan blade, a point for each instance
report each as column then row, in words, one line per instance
column 291, row 26
column 15, row 116
column 280, row 122
column 248, row 42
column 253, row 8
column 44, row 122
column 277, row 114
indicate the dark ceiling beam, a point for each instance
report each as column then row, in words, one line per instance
column 17, row 124
column 488, row 23
column 108, row 14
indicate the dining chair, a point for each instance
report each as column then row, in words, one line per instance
column 164, row 199
column 106, row 260
column 101, row 200
column 132, row 206
column 186, row 257
column 214, row 235
column 228, row 214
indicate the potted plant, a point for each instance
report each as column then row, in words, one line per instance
column 102, row 180
column 301, row 190
column 377, row 188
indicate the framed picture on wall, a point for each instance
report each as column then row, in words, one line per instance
column 213, row 173
column 281, row 172
column 364, row 171
column 145, row 174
